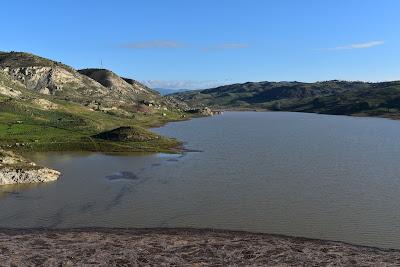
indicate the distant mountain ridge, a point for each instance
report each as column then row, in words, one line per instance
column 260, row 92
column 331, row 97
column 167, row 91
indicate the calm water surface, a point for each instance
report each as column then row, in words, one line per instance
column 329, row 177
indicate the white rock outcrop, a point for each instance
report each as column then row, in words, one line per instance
column 45, row 80
column 10, row 175
column 10, row 92
column 15, row 169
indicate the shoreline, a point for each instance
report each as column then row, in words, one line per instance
column 180, row 246
column 178, row 230
column 174, row 147
column 16, row 168
column 179, row 147
column 388, row 116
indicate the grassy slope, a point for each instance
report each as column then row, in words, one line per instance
column 72, row 130
column 22, row 59
column 26, row 127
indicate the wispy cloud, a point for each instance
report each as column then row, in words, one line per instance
column 225, row 46
column 358, row 45
column 184, row 84
column 153, row 44
column 232, row 46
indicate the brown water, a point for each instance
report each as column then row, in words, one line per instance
column 329, row 177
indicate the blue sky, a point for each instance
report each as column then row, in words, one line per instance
column 204, row 43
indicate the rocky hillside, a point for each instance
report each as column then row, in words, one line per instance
column 10, row 87
column 122, row 87
column 49, row 77
column 330, row 97
column 99, row 86
column 47, row 105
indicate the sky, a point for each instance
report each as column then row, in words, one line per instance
column 193, row 44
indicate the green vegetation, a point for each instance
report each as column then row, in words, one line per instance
column 23, row 126
column 331, row 97
column 76, row 109
column 23, row 60
column 127, row 133
column 382, row 100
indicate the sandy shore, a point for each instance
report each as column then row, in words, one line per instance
column 181, row 247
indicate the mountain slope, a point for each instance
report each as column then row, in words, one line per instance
column 379, row 99
column 49, row 77
column 330, row 97
column 257, row 93
column 46, row 105
column 122, row 87
column 99, row 89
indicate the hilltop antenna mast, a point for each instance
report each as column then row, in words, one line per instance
column 101, row 63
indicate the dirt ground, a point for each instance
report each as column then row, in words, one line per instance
column 179, row 247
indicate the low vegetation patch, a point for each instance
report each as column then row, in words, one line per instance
column 127, row 133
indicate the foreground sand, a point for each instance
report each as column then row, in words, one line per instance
column 130, row 247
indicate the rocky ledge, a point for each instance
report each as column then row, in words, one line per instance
column 206, row 111
column 15, row 169
column 179, row 247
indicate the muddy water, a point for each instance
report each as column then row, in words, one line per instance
column 329, row 177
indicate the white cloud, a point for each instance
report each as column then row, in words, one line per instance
column 153, row 44
column 233, row 46
column 358, row 45
column 225, row 46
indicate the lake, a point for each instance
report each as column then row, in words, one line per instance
column 318, row 176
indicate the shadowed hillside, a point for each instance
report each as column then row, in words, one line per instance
column 124, row 87
column 330, row 97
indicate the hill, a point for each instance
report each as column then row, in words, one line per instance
column 92, row 87
column 329, row 97
column 123, row 87
column 49, row 77
column 46, row 105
